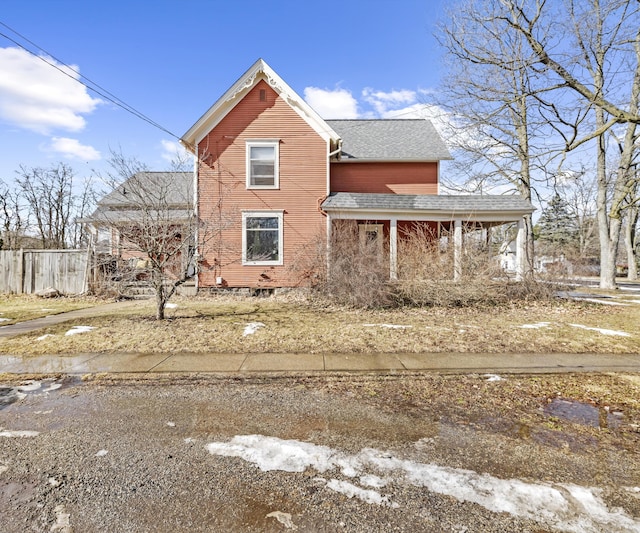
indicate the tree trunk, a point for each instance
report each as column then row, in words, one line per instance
column 630, row 243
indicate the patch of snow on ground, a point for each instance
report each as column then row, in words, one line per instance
column 63, row 520
column 52, row 387
column 5, row 319
column 388, row 326
column 603, row 331
column 493, row 377
column 79, row 329
column 170, row 305
column 18, row 433
column 366, row 495
column 563, row 506
column 604, row 302
column 284, row 519
column 251, row 328
column 29, row 386
column 101, row 453
column 45, row 336
column 539, row 325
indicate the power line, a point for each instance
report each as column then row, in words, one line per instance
column 90, row 84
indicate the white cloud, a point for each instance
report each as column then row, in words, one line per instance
column 37, row 97
column 72, row 149
column 173, row 152
column 384, row 102
column 332, row 104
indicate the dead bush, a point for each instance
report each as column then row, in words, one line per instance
column 358, row 272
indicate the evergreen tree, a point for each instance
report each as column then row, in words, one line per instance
column 557, row 227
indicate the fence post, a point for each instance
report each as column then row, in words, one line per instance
column 21, row 272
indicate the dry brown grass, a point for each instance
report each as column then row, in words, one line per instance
column 17, row 308
column 297, row 325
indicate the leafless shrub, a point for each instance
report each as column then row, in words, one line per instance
column 357, row 273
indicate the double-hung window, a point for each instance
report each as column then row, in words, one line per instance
column 262, row 164
column 262, row 237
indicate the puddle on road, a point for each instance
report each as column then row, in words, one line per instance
column 583, row 413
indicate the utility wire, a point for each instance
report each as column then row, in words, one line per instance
column 90, row 84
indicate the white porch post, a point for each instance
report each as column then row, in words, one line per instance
column 328, row 247
column 457, row 250
column 393, row 248
column 520, row 251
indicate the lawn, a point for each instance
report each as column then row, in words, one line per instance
column 18, row 308
column 295, row 325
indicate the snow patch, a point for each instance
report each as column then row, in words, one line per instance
column 493, row 377
column 284, row 519
column 46, row 336
column 101, row 453
column 5, row 319
column 29, row 386
column 538, row 325
column 52, row 387
column 366, row 495
column 63, row 520
column 251, row 328
column 388, row 326
column 562, row 506
column 603, row 331
column 18, row 433
column 171, row 424
column 170, row 305
column 79, row 329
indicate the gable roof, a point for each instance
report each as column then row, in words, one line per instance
column 258, row 71
column 169, row 194
column 390, row 140
column 440, row 207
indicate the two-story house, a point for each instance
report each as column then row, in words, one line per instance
column 279, row 175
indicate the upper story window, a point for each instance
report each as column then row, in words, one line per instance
column 262, row 164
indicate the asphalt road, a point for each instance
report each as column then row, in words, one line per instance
column 291, row 454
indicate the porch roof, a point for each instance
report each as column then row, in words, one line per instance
column 481, row 208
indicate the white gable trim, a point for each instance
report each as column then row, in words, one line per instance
column 259, row 71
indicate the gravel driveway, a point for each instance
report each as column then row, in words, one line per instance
column 295, row 453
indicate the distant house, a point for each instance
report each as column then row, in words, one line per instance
column 281, row 176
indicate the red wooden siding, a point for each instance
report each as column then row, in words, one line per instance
column 223, row 193
column 398, row 178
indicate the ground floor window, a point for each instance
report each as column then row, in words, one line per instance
column 262, row 241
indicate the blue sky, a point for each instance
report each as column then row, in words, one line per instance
column 171, row 60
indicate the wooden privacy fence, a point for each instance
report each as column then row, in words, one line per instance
column 29, row 271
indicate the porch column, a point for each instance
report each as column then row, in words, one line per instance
column 328, row 246
column 520, row 251
column 457, row 250
column 393, row 248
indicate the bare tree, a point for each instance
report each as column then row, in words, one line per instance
column 493, row 96
column 52, row 203
column 154, row 217
column 600, row 64
column 12, row 218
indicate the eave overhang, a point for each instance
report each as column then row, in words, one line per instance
column 221, row 108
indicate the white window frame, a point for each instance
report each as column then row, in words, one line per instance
column 366, row 228
column 263, row 214
column 269, row 143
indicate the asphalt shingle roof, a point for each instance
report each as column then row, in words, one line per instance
column 167, row 194
column 390, row 140
column 449, row 204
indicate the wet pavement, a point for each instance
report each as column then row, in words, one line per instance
column 153, row 363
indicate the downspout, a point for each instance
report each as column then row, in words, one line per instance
column 197, row 221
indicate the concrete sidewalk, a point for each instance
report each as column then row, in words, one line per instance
column 317, row 363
